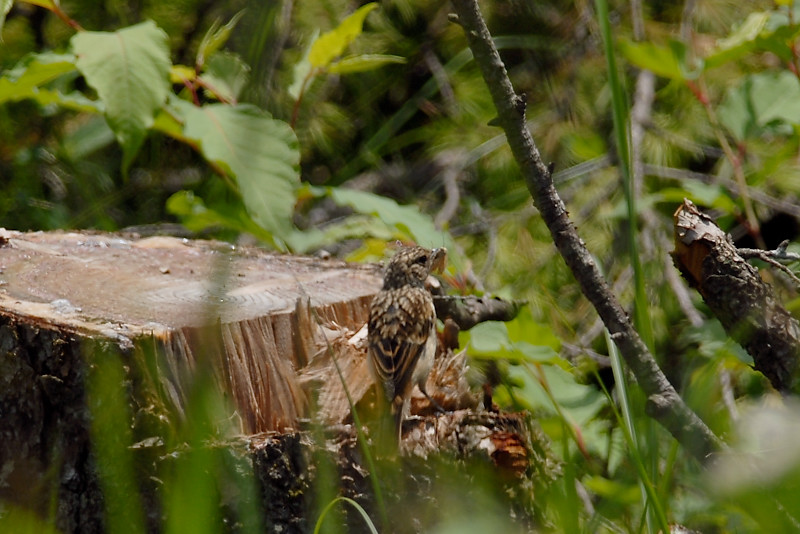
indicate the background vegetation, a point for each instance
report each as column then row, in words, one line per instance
column 396, row 141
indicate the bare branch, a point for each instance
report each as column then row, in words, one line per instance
column 468, row 311
column 773, row 257
column 664, row 404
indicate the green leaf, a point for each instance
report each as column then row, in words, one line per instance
column 227, row 75
column 129, row 69
column 330, row 45
column 762, row 101
column 47, row 4
column 197, row 217
column 769, row 31
column 581, row 402
column 746, row 32
column 215, row 37
column 33, row 71
column 354, row 227
column 775, row 97
column 625, row 494
column 659, row 59
column 524, row 328
column 489, row 339
column 735, row 112
column 666, row 61
column 702, row 194
column 302, row 70
column 29, row 78
column 362, row 63
column 260, row 152
column 411, row 223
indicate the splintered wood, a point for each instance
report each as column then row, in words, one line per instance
column 735, row 292
column 256, row 318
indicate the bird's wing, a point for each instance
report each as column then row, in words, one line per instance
column 400, row 323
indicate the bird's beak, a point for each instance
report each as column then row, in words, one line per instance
column 438, row 259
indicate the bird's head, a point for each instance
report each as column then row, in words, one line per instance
column 412, row 265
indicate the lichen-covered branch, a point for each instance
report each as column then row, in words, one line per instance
column 664, row 403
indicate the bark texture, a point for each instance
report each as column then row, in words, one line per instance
column 737, row 295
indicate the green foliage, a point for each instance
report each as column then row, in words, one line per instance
column 259, row 151
column 167, row 119
column 668, row 61
column 330, row 45
column 128, row 69
column 765, row 103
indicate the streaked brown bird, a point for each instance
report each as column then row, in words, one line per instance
column 402, row 328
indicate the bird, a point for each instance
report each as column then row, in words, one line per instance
column 401, row 337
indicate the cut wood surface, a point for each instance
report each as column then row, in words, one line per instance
column 197, row 299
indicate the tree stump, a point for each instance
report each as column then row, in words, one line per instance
column 267, row 330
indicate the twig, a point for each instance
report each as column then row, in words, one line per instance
column 759, row 196
column 663, row 402
column 452, row 167
column 682, row 294
column 440, row 75
column 468, row 311
column 773, row 257
column 491, row 234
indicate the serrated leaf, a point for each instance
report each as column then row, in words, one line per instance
column 362, row 63
column 227, row 75
column 215, row 37
column 260, row 152
column 330, row 45
column 129, row 69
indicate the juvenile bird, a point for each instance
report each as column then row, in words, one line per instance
column 402, row 328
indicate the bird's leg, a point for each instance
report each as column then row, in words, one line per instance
column 433, row 402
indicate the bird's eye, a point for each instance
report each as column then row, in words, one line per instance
column 421, row 260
